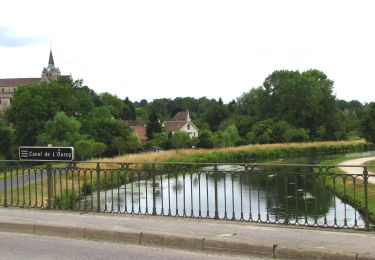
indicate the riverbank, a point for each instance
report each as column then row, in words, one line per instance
column 351, row 189
column 248, row 153
column 358, row 170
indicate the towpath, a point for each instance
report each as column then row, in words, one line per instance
column 345, row 166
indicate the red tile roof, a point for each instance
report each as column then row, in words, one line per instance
column 7, row 83
column 140, row 132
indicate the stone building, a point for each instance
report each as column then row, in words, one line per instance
column 9, row 86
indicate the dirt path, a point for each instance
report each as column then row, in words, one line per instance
column 358, row 170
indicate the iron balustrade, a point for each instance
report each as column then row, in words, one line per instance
column 301, row 195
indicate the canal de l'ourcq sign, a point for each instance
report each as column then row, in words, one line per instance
column 37, row 153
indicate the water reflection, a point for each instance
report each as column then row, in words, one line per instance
column 267, row 195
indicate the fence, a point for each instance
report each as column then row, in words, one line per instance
column 302, row 195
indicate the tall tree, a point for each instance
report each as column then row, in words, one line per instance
column 368, row 124
column 128, row 111
column 62, row 130
column 6, row 142
column 153, row 125
column 115, row 104
column 33, row 105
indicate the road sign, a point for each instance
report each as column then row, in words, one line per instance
column 37, row 153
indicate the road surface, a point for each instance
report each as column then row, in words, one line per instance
column 22, row 246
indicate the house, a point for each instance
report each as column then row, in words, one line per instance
column 181, row 122
column 9, row 86
column 139, row 128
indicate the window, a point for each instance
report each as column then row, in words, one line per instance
column 188, row 127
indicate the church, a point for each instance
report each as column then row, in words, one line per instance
column 9, row 86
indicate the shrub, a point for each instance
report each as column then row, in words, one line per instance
column 67, row 200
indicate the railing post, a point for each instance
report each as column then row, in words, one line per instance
column 365, row 186
column 286, row 221
column 50, row 186
column 98, row 187
column 216, row 198
column 153, row 190
column 5, row 189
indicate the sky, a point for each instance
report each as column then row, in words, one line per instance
column 149, row 49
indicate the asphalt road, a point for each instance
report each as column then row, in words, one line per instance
column 22, row 178
column 22, row 246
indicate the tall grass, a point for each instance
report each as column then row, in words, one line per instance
column 243, row 153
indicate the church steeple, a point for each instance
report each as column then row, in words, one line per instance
column 51, row 72
column 50, row 61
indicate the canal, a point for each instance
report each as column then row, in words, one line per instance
column 263, row 194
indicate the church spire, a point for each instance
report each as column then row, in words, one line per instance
column 51, row 72
column 50, row 61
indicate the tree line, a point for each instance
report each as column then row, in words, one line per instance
column 290, row 106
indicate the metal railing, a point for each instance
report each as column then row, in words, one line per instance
column 302, row 195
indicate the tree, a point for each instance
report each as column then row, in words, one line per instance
column 105, row 130
column 153, row 125
column 261, row 132
column 86, row 149
column 161, row 140
column 230, row 136
column 214, row 115
column 62, row 130
column 368, row 124
column 180, row 140
column 253, row 103
column 123, row 144
column 83, row 149
column 304, row 100
column 98, row 149
column 6, row 142
column 33, row 105
column 205, row 139
column 128, row 111
column 279, row 130
column 115, row 104
column 159, row 106
column 119, row 143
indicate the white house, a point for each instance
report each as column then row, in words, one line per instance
column 182, row 122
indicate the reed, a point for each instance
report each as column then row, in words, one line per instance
column 241, row 153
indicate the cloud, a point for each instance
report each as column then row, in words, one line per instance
column 8, row 38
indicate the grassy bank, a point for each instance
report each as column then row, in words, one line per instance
column 248, row 153
column 350, row 190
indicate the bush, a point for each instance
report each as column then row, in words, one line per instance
column 86, row 189
column 205, row 139
column 67, row 201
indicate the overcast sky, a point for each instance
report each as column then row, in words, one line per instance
column 154, row 49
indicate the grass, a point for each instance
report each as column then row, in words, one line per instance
column 240, row 154
column 371, row 165
column 348, row 189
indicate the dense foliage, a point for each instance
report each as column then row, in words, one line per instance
column 65, row 113
column 368, row 124
column 290, row 106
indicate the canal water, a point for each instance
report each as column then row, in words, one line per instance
column 266, row 195
column 238, row 197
